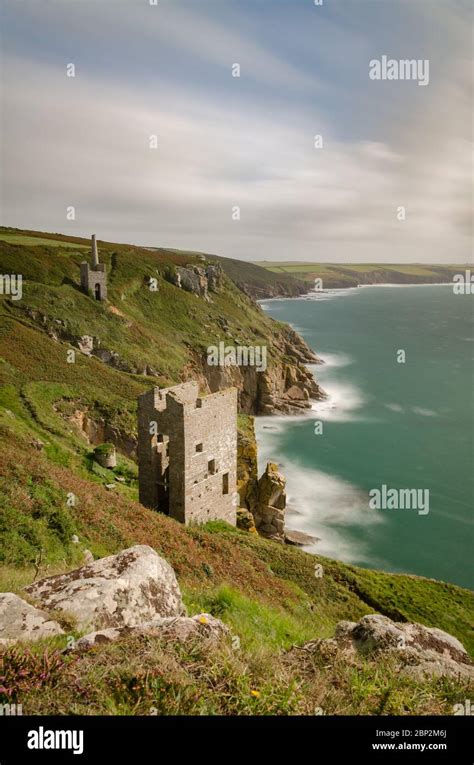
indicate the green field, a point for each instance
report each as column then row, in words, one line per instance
column 36, row 241
column 336, row 275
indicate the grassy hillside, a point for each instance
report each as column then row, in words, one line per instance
column 259, row 282
column 143, row 327
column 164, row 333
column 337, row 275
column 52, row 489
column 267, row 593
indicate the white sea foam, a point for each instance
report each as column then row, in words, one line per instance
column 343, row 401
column 330, row 294
column 332, row 360
column 401, row 286
column 318, row 503
column 424, row 412
column 394, row 407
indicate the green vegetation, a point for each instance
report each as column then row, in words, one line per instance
column 229, row 572
column 143, row 676
column 53, row 413
column 35, row 241
column 339, row 275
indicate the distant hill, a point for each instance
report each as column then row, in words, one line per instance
column 340, row 275
column 259, row 282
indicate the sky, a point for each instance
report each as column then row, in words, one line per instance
column 235, row 168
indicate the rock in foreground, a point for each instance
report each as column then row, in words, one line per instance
column 20, row 621
column 177, row 629
column 422, row 651
column 121, row 590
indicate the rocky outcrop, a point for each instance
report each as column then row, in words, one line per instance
column 97, row 431
column 286, row 387
column 247, row 475
column 200, row 280
column 204, row 627
column 245, row 520
column 299, row 538
column 215, row 277
column 269, row 509
column 127, row 589
column 21, row 621
column 85, row 343
column 421, row 651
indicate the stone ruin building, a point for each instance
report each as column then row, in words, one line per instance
column 94, row 277
column 187, row 453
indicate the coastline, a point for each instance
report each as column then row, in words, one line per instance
column 312, row 295
column 325, row 483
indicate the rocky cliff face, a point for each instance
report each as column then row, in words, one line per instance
column 286, row 386
column 201, row 280
column 269, row 508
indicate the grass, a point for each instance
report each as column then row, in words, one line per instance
column 335, row 275
column 146, row 676
column 259, row 626
column 277, row 579
column 267, row 593
column 34, row 241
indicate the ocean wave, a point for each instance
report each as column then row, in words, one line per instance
column 343, row 400
column 333, row 360
column 424, row 412
column 395, row 407
column 324, row 506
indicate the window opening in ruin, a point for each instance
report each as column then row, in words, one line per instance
column 225, row 483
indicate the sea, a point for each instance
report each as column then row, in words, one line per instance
column 399, row 375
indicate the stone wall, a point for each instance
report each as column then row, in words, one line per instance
column 93, row 278
column 188, row 465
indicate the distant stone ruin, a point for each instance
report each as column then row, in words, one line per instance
column 187, row 453
column 94, row 277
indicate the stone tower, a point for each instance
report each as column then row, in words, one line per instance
column 94, row 277
column 187, row 453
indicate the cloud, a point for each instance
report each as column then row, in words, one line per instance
column 84, row 141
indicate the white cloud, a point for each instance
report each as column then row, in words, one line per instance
column 84, row 142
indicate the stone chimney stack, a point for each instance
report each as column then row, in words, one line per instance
column 95, row 255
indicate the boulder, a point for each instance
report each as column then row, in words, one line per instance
column 422, row 651
column 181, row 629
column 299, row 538
column 21, row 621
column 85, row 343
column 215, row 277
column 245, row 520
column 127, row 589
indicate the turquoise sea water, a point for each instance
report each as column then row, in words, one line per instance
column 405, row 425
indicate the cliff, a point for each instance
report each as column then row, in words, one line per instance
column 165, row 310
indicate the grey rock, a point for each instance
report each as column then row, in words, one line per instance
column 177, row 629
column 21, row 621
column 85, row 343
column 421, row 651
column 127, row 589
column 299, row 538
